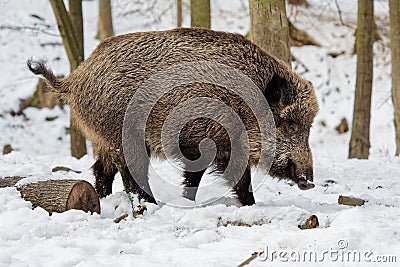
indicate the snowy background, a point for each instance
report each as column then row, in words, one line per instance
column 202, row 236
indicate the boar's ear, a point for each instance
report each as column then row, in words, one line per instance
column 275, row 89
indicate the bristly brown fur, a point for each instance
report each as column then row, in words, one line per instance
column 100, row 89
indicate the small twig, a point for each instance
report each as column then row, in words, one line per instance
column 120, row 218
column 19, row 28
column 384, row 102
column 340, row 16
column 350, row 201
column 303, row 65
column 64, row 169
column 250, row 259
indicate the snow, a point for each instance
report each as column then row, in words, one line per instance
column 197, row 236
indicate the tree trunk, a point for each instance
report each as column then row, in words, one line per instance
column 200, row 13
column 67, row 32
column 178, row 13
column 78, row 142
column 359, row 142
column 72, row 33
column 105, row 26
column 75, row 14
column 57, row 195
column 269, row 27
column 395, row 45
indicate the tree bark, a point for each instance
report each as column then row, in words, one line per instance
column 395, row 46
column 270, row 28
column 57, row 195
column 178, row 13
column 105, row 26
column 78, row 142
column 200, row 13
column 359, row 142
column 71, row 30
column 75, row 14
column 67, row 32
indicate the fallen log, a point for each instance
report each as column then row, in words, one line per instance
column 57, row 195
column 9, row 181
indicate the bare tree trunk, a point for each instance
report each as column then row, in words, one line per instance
column 395, row 45
column 67, row 32
column 359, row 143
column 73, row 43
column 105, row 28
column 75, row 14
column 78, row 142
column 270, row 28
column 200, row 13
column 178, row 13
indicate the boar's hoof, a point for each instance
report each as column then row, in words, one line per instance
column 303, row 184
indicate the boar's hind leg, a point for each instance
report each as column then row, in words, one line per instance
column 104, row 171
column 139, row 171
column 191, row 183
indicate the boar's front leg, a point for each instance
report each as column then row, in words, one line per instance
column 244, row 190
column 242, row 187
column 104, row 171
column 191, row 183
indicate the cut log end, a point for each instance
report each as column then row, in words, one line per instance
column 83, row 197
column 9, row 181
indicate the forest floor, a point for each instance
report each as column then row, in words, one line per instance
column 220, row 234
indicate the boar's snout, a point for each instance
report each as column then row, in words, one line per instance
column 302, row 174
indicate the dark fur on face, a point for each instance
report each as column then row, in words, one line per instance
column 100, row 89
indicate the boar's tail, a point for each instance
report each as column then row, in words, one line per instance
column 39, row 67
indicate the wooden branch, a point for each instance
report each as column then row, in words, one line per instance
column 64, row 169
column 350, row 201
column 249, row 260
column 57, row 195
column 120, row 218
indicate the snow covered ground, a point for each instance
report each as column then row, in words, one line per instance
column 202, row 236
